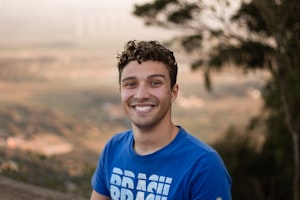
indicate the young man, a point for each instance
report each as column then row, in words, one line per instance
column 155, row 160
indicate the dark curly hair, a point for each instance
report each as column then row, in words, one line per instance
column 141, row 51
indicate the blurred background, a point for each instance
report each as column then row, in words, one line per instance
column 238, row 76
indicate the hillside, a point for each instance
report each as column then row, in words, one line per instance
column 58, row 109
column 11, row 189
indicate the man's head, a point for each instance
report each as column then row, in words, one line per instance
column 148, row 51
column 147, row 76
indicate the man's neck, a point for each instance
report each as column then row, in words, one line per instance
column 147, row 141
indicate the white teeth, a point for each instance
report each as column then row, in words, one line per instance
column 143, row 108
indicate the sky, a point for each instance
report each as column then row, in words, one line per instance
column 87, row 22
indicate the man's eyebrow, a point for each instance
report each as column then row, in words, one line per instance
column 128, row 78
column 150, row 76
column 157, row 75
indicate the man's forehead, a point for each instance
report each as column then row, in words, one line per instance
column 145, row 68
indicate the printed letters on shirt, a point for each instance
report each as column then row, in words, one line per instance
column 123, row 183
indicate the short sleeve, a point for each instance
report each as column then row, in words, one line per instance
column 99, row 177
column 211, row 180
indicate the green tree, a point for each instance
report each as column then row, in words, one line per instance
column 253, row 35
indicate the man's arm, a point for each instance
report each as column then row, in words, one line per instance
column 96, row 196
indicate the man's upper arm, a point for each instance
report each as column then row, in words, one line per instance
column 96, row 196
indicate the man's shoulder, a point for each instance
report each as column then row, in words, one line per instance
column 201, row 152
column 195, row 143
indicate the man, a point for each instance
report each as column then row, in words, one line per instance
column 156, row 160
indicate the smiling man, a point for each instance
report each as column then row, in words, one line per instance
column 156, row 159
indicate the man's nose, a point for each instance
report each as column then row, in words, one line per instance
column 141, row 92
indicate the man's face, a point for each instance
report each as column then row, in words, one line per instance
column 146, row 93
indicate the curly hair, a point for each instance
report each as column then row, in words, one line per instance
column 142, row 51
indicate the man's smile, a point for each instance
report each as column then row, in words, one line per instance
column 143, row 108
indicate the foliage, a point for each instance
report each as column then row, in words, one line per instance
column 256, row 35
column 257, row 171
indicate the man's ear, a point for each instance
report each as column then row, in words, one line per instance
column 175, row 92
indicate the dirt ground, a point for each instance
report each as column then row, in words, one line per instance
column 11, row 189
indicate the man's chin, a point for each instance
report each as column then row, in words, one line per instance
column 144, row 125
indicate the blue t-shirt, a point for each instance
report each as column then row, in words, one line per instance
column 184, row 169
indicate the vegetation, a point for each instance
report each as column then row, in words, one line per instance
column 257, row 35
column 68, row 172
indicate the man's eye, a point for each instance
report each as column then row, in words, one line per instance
column 155, row 83
column 130, row 84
